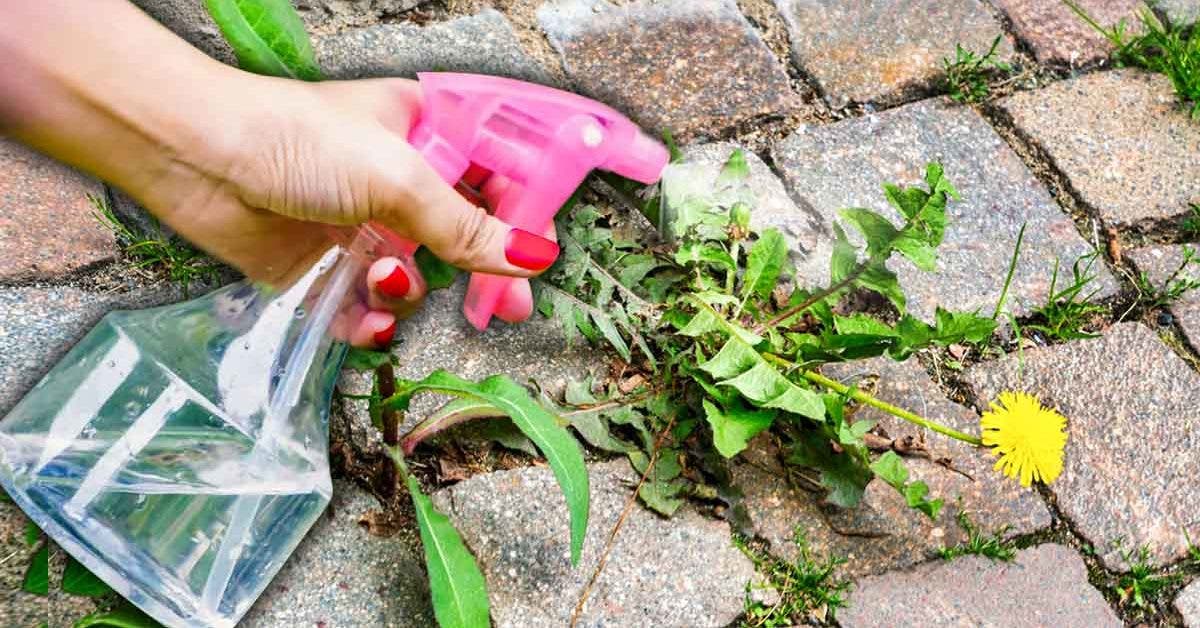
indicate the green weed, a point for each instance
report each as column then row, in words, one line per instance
column 170, row 255
column 1159, row 48
column 1069, row 310
column 966, row 75
column 1190, row 226
column 1173, row 287
column 808, row 587
column 1141, row 584
column 992, row 546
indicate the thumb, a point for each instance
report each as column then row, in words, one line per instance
column 432, row 213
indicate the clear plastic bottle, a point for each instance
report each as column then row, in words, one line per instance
column 180, row 453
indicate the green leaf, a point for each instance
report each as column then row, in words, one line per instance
column 952, row 327
column 742, row 368
column 32, row 533
column 862, row 324
column 592, row 427
column 609, row 330
column 361, row 359
column 437, row 274
column 876, row 230
column 844, row 258
column 37, row 574
column 707, row 320
column 697, row 252
column 267, row 36
column 918, row 251
column 540, row 425
column 663, row 487
column 890, row 468
column 77, row 580
column 453, row 413
column 734, row 427
column 764, row 264
column 844, row 477
column 125, row 616
column 735, row 168
column 879, row 279
column 456, row 585
column 735, row 358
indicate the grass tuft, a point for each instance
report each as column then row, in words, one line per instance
column 1177, row 284
column 1172, row 50
column 992, row 546
column 177, row 260
column 967, row 74
column 808, row 587
column 1142, row 584
column 1067, row 311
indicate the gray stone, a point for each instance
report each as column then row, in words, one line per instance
column 484, row 43
column 679, row 572
column 1122, row 138
column 882, row 532
column 1045, row 586
column 772, row 206
column 39, row 325
column 1159, row 262
column 190, row 20
column 1180, row 12
column 17, row 607
column 690, row 66
column 1188, row 605
column 884, row 51
column 845, row 164
column 1130, row 465
column 341, row 575
column 1057, row 35
column 46, row 222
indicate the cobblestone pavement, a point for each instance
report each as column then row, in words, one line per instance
column 831, row 98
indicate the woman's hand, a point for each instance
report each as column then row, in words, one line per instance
column 265, row 174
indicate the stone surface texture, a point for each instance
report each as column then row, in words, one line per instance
column 845, row 164
column 1122, row 139
column 1130, row 404
column 1159, row 262
column 679, row 572
column 1180, row 12
column 329, row 15
column 18, row 608
column 1187, row 602
column 689, row 66
column 1057, row 35
column 880, row 51
column 342, row 576
column 46, row 222
column 39, row 325
column 975, row 591
column 882, row 532
column 190, row 20
column 807, row 235
column 484, row 43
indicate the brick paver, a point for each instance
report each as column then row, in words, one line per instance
column 1187, row 602
column 1058, row 36
column 1130, row 404
column 689, row 66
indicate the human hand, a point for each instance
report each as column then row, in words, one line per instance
column 321, row 158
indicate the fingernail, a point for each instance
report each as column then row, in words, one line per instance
column 529, row 251
column 384, row 336
column 396, row 284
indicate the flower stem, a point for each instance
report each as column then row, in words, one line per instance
column 868, row 399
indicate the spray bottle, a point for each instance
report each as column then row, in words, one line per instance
column 181, row 453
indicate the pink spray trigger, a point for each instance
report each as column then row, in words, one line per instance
column 543, row 140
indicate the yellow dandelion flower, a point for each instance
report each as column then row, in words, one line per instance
column 1028, row 437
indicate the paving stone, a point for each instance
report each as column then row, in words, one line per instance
column 689, row 66
column 1058, row 36
column 1045, row 586
column 845, row 164
column 1121, row 138
column 1160, row 262
column 46, row 222
column 884, row 51
column 190, row 20
column 39, row 325
column 341, row 575
column 1130, row 404
column 484, row 43
column 882, row 532
column 1188, row 605
column 807, row 235
column 1180, row 12
column 679, row 572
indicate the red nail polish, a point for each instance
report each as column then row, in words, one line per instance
column 384, row 337
column 529, row 251
column 395, row 285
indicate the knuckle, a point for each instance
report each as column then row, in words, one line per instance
column 470, row 236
